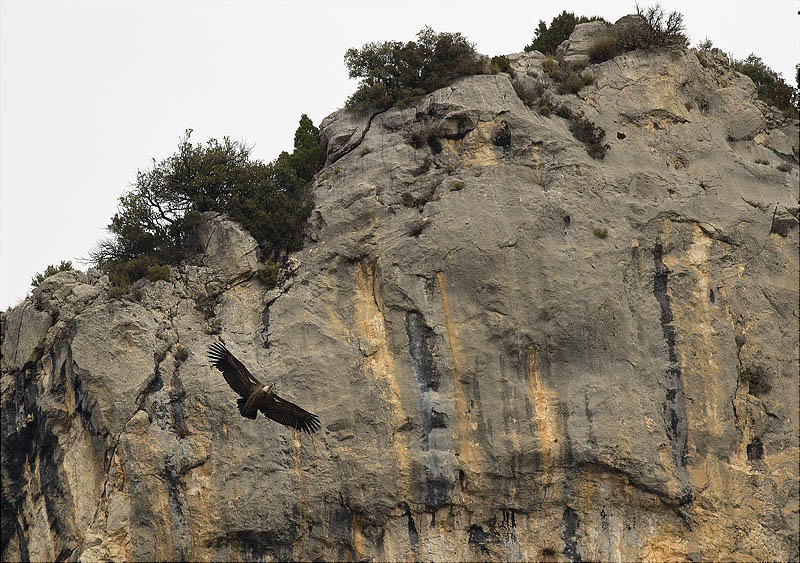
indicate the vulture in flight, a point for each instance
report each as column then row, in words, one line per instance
column 256, row 396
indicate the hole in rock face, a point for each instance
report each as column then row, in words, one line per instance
column 755, row 450
column 438, row 419
column 757, row 379
column 478, row 537
column 503, row 137
column 620, row 135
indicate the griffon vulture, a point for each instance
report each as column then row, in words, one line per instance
column 257, row 396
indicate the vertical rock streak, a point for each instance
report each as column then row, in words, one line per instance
column 545, row 412
column 420, row 346
column 467, row 447
column 379, row 364
column 675, row 405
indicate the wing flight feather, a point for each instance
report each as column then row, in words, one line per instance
column 234, row 372
column 289, row 414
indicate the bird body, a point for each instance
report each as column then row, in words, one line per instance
column 255, row 396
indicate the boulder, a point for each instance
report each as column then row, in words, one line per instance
column 576, row 48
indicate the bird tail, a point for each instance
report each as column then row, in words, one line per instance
column 251, row 414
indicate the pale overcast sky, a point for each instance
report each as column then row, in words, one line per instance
column 91, row 91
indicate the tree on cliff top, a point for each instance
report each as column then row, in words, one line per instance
column 157, row 217
column 51, row 270
column 772, row 88
column 393, row 72
column 547, row 39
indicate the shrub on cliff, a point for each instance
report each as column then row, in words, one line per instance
column 500, row 64
column 772, row 88
column 547, row 39
column 658, row 30
column 653, row 29
column 603, row 49
column 534, row 93
column 51, row 270
column 393, row 72
column 157, row 218
column 568, row 76
column 590, row 135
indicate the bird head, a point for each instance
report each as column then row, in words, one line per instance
column 268, row 388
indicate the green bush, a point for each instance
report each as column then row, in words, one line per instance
column 550, row 67
column 570, row 82
column 796, row 99
column 124, row 272
column 603, row 49
column 156, row 273
column 772, row 88
column 51, row 270
column 157, row 219
column 547, row 39
column 564, row 111
column 500, row 64
column 590, row 135
column 705, row 45
column 394, row 72
column 268, row 275
column 568, row 76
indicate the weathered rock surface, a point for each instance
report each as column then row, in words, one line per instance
column 516, row 351
column 576, row 48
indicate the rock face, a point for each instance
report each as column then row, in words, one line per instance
column 517, row 352
column 576, row 48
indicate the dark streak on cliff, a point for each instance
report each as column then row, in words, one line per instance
column 675, row 406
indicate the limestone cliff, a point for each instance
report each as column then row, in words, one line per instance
column 516, row 351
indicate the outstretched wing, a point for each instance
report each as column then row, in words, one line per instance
column 234, row 372
column 289, row 414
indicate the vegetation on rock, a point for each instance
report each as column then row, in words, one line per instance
column 157, row 218
column 771, row 86
column 590, row 135
column 269, row 274
column 659, row 30
column 51, row 270
column 500, row 63
column 569, row 76
column 156, row 273
column 534, row 93
column 547, row 39
column 655, row 30
column 393, row 72
column 603, row 49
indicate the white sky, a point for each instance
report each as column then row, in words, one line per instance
column 91, row 91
